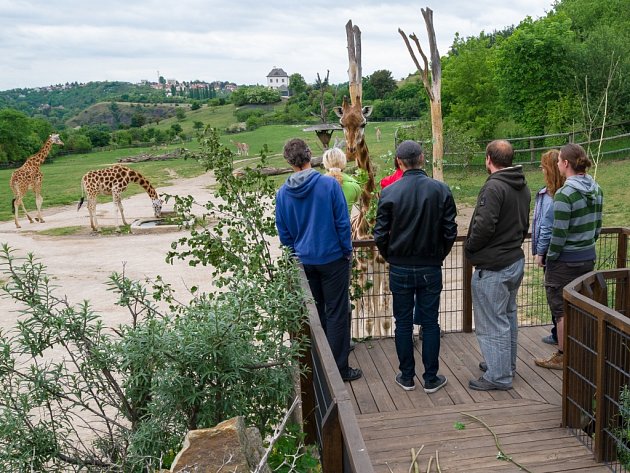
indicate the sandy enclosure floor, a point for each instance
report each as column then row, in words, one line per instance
column 81, row 264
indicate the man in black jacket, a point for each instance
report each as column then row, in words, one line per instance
column 494, row 246
column 415, row 230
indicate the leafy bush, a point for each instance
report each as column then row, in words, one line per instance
column 122, row 399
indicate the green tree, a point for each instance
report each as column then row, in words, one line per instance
column 535, row 67
column 138, row 119
column 176, row 128
column 380, row 84
column 470, row 96
column 198, row 126
column 297, row 84
column 180, row 114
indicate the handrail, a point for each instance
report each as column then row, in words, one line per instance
column 597, row 358
column 328, row 410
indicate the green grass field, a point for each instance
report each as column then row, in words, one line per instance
column 62, row 178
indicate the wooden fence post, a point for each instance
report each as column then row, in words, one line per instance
column 332, row 441
column 467, row 271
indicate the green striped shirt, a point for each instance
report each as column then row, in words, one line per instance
column 577, row 215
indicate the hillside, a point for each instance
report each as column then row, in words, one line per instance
column 114, row 114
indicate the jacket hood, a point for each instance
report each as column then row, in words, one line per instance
column 584, row 184
column 301, row 183
column 513, row 176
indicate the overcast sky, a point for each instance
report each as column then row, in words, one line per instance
column 45, row 42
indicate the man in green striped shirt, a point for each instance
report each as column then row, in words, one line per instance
column 577, row 214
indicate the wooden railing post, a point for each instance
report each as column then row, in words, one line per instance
column 332, row 441
column 600, row 415
column 467, row 271
column 532, row 152
column 308, row 398
column 622, row 249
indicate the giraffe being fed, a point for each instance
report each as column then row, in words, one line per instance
column 29, row 176
column 371, row 266
column 113, row 181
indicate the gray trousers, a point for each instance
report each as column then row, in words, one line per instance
column 496, row 322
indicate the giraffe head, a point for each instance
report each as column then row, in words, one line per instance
column 157, row 207
column 353, row 118
column 54, row 139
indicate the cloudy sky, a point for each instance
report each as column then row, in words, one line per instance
column 46, row 42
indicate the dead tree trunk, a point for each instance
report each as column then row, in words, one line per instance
column 433, row 87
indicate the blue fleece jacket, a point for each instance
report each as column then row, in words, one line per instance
column 312, row 218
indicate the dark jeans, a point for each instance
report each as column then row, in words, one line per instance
column 329, row 285
column 420, row 286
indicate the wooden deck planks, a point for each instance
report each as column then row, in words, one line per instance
column 526, row 419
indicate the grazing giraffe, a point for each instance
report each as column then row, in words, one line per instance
column 113, row 181
column 29, row 176
column 372, row 267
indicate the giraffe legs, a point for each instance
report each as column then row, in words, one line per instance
column 92, row 209
column 39, row 199
column 118, row 207
column 16, row 205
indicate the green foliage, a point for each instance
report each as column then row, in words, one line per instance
column 257, row 94
column 180, row 114
column 289, row 454
column 459, row 426
column 297, row 84
column 622, row 433
column 21, row 136
column 133, row 392
column 378, row 85
column 469, row 92
column 534, row 66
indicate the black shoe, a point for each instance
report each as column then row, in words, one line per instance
column 483, row 384
column 550, row 340
column 483, row 366
column 438, row 383
column 406, row 384
column 351, row 374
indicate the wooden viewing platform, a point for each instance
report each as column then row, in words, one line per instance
column 526, row 419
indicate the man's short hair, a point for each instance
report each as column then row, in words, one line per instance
column 500, row 153
column 297, row 153
column 410, row 152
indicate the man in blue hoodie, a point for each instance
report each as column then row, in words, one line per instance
column 312, row 220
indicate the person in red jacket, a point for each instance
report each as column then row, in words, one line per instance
column 387, row 180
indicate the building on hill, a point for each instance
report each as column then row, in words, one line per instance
column 278, row 79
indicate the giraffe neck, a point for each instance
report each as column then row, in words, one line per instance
column 39, row 157
column 361, row 225
column 135, row 176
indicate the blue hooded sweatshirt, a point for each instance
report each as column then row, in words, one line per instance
column 312, row 218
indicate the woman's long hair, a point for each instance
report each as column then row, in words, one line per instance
column 553, row 179
column 335, row 161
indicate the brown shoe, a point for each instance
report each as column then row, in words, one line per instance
column 555, row 362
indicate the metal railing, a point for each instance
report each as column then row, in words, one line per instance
column 329, row 417
column 372, row 313
column 596, row 399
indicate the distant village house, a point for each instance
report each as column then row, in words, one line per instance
column 279, row 80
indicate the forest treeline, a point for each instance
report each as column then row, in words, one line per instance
column 568, row 70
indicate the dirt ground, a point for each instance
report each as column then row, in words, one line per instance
column 81, row 264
